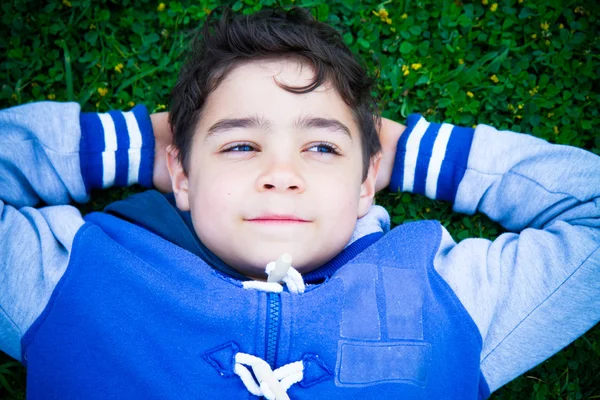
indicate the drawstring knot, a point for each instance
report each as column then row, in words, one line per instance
column 279, row 271
column 273, row 385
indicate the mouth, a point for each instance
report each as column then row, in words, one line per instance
column 277, row 219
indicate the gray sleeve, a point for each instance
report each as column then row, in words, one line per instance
column 534, row 289
column 40, row 163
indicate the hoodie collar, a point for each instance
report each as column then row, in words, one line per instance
column 159, row 214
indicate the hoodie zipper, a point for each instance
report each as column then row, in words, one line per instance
column 273, row 322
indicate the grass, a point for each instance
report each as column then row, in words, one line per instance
column 528, row 66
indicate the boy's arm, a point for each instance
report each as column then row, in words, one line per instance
column 530, row 292
column 52, row 153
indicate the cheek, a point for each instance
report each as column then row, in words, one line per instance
column 215, row 195
column 340, row 197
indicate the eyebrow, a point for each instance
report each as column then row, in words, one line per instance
column 309, row 122
column 303, row 122
column 234, row 123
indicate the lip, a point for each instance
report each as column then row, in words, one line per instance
column 277, row 219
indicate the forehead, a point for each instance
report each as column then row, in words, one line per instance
column 256, row 88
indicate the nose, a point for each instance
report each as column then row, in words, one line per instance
column 280, row 175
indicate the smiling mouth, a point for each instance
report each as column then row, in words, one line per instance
column 278, row 219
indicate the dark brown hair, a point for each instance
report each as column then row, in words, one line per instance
column 274, row 33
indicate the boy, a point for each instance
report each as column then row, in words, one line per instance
column 275, row 151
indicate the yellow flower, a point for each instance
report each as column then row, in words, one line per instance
column 533, row 36
column 406, row 72
column 119, row 67
column 404, row 68
column 473, row 126
column 131, row 104
column 484, row 2
column 103, row 91
column 494, row 7
column 384, row 15
column 561, row 26
column 544, row 26
column 494, row 78
column 161, row 7
column 51, row 96
column 518, row 116
column 160, row 107
column 520, row 106
column 404, row 16
column 461, row 61
column 511, row 107
column 66, row 3
column 415, row 66
column 427, row 209
column 470, row 94
column 555, row 129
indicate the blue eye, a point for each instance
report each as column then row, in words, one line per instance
column 324, row 148
column 239, row 148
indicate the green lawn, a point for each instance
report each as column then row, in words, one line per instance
column 529, row 66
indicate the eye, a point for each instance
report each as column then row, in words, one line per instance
column 325, row 148
column 239, row 147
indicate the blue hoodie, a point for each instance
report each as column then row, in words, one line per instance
column 495, row 308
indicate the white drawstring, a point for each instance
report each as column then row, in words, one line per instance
column 278, row 271
column 273, row 385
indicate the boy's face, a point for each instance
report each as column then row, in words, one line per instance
column 264, row 177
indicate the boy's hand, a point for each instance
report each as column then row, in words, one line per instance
column 163, row 137
column 389, row 134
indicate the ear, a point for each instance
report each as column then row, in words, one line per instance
column 179, row 180
column 367, row 189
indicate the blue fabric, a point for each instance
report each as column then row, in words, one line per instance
column 455, row 163
column 520, row 290
column 147, row 161
column 425, row 150
column 397, row 178
column 90, row 150
column 158, row 214
column 326, row 270
column 92, row 146
column 122, row 153
column 129, row 295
